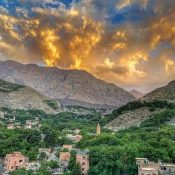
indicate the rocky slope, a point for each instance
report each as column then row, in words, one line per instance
column 20, row 97
column 131, row 118
column 68, row 86
column 136, row 94
column 163, row 93
column 135, row 117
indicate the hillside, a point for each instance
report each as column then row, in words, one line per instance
column 134, row 113
column 131, row 118
column 67, row 86
column 163, row 93
column 137, row 112
column 20, row 97
column 136, row 94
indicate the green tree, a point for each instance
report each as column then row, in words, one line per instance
column 77, row 169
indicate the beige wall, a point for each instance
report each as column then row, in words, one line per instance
column 15, row 161
column 83, row 160
column 65, row 156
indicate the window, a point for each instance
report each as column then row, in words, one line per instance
column 163, row 168
column 20, row 160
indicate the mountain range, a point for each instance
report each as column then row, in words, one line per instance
column 69, row 87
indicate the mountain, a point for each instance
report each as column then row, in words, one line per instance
column 163, row 93
column 136, row 94
column 21, row 97
column 67, row 86
column 137, row 112
column 131, row 118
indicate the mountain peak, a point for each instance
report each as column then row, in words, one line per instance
column 67, row 85
column 136, row 94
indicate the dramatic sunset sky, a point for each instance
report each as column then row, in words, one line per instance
column 127, row 42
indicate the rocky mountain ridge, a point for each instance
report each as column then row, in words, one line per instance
column 163, row 93
column 65, row 85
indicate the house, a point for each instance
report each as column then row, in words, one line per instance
column 15, row 161
column 65, row 156
column 74, row 138
column 69, row 147
column 34, row 166
column 167, row 169
column 32, row 124
column 11, row 126
column 148, row 171
column 63, row 166
column 145, row 167
column 82, row 158
column 77, row 131
column 47, row 151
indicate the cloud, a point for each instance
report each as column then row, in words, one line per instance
column 129, row 42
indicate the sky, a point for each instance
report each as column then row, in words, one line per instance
column 130, row 43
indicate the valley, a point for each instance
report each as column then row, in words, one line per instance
column 124, row 132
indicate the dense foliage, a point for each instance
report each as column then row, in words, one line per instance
column 110, row 153
column 26, row 141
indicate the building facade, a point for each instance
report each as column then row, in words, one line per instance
column 15, row 161
column 145, row 167
column 82, row 158
column 65, row 156
column 98, row 129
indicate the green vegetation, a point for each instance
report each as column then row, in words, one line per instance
column 115, row 154
column 152, row 105
column 110, row 153
column 54, row 127
column 8, row 87
column 52, row 103
column 26, row 141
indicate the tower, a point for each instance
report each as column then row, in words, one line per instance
column 98, row 130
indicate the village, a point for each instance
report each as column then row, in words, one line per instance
column 61, row 155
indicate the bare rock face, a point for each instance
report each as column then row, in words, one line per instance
column 65, row 85
column 20, row 97
column 163, row 93
column 136, row 94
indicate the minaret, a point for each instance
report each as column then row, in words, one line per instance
column 98, row 130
